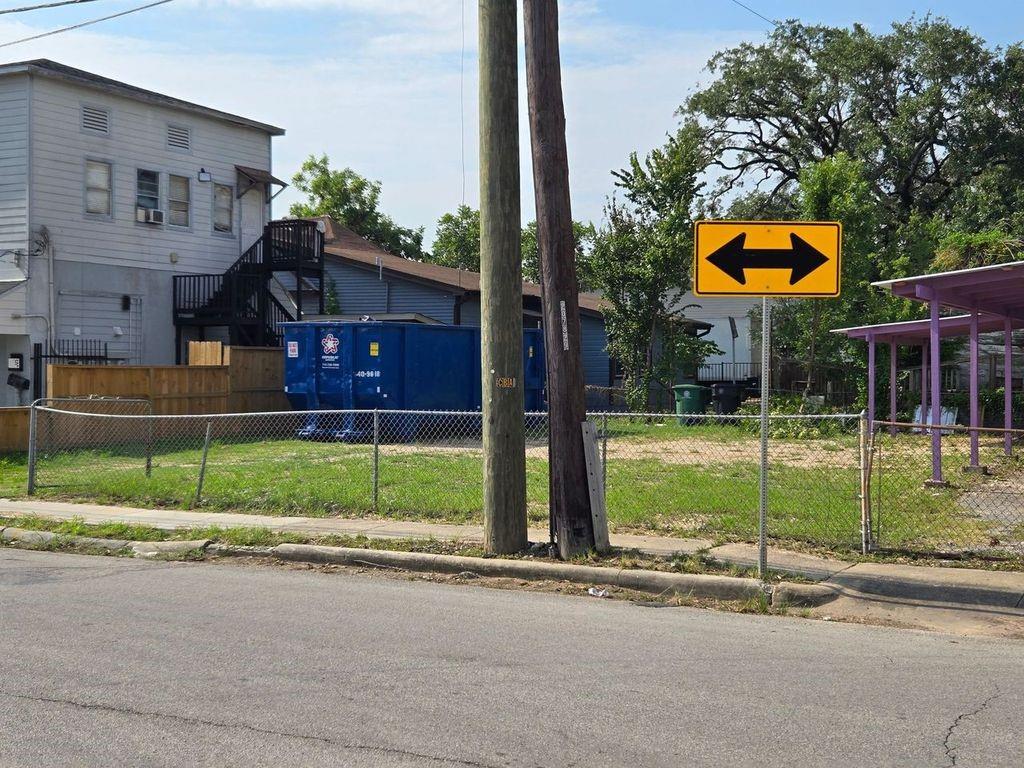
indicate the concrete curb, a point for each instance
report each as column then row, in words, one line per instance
column 22, row 536
column 657, row 582
column 154, row 548
column 787, row 593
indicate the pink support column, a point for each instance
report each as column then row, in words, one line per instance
column 1007, row 385
column 892, row 386
column 936, row 374
column 871, row 382
column 924, row 383
column 973, row 394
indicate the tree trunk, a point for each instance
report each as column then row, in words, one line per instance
column 569, row 498
column 501, row 286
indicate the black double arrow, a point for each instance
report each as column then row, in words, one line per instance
column 733, row 258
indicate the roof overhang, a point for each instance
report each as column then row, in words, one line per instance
column 996, row 290
column 915, row 332
column 57, row 71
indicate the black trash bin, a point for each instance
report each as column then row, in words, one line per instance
column 727, row 396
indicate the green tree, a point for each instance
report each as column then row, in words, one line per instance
column 457, row 242
column 584, row 234
column 352, row 200
column 832, row 190
column 640, row 262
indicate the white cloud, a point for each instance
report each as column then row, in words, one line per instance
column 389, row 105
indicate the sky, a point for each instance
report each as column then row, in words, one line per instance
column 389, row 87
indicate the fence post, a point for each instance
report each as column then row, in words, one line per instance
column 149, row 443
column 376, row 459
column 32, row 437
column 604, row 452
column 202, row 466
column 865, row 484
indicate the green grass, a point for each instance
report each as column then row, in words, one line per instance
column 708, row 487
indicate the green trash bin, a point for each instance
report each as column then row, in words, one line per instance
column 691, row 399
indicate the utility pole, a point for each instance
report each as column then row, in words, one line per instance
column 501, row 282
column 569, row 496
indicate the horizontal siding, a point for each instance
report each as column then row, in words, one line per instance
column 358, row 291
column 594, row 344
column 12, row 302
column 96, row 316
column 137, row 139
column 413, row 297
column 14, row 157
column 717, row 311
column 362, row 291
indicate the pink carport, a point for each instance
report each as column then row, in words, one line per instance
column 993, row 297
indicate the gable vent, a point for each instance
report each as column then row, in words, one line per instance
column 95, row 119
column 178, row 137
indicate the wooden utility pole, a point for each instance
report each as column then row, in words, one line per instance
column 501, row 282
column 569, row 496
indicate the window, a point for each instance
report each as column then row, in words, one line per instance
column 178, row 201
column 97, row 187
column 179, row 137
column 95, row 119
column 147, row 189
column 223, row 208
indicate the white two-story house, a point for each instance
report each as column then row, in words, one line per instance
column 107, row 191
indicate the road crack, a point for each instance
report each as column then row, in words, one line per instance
column 951, row 750
column 354, row 746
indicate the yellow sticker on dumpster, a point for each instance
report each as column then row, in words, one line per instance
column 374, row 349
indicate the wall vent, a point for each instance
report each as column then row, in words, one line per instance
column 179, row 137
column 95, row 119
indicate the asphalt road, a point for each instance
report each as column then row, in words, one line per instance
column 114, row 662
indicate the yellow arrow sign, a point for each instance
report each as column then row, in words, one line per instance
column 767, row 258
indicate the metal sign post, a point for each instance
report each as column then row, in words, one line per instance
column 798, row 259
column 762, row 512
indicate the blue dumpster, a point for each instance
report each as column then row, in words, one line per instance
column 332, row 365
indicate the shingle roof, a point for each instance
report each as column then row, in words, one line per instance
column 342, row 242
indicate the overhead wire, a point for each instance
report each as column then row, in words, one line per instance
column 759, row 15
column 82, row 24
column 43, row 6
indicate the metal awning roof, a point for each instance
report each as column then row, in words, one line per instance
column 917, row 331
column 250, row 177
column 995, row 290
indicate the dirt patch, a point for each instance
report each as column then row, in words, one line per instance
column 812, row 454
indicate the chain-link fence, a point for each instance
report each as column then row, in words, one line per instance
column 946, row 500
column 693, row 476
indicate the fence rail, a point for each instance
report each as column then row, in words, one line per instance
column 698, row 477
column 832, row 480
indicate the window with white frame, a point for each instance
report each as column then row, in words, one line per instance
column 179, row 201
column 223, row 208
column 97, row 187
column 147, row 189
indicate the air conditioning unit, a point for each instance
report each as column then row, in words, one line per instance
column 149, row 215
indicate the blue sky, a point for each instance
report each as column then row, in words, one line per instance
column 376, row 83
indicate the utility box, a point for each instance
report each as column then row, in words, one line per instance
column 367, row 366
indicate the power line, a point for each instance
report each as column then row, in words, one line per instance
column 746, row 7
column 41, row 6
column 85, row 23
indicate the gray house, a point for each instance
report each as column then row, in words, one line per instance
column 369, row 281
column 107, row 192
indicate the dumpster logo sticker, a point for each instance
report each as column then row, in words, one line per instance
column 330, row 344
column 293, row 349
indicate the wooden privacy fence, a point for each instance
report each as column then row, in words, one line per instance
column 13, row 430
column 242, row 380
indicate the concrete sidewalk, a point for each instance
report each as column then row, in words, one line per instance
column 945, row 598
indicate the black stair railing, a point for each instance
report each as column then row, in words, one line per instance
column 241, row 295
